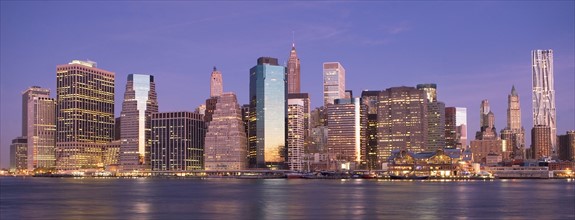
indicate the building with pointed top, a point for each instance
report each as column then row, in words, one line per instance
column 216, row 83
column 513, row 134
column 293, row 72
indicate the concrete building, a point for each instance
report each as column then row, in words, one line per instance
column 226, row 141
column 293, row 72
column 402, row 121
column 487, row 122
column 482, row 148
column 40, row 126
column 85, row 114
column 295, row 135
column 140, row 102
column 566, row 144
column 19, row 154
column 268, row 115
column 369, row 99
column 541, row 145
column 435, row 118
column 333, row 82
column 544, row 93
column 216, row 83
column 346, row 133
column 514, row 133
column 177, row 141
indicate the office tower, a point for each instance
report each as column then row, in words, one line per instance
column 226, row 141
column 216, row 83
column 306, row 111
column 348, row 94
column 541, row 142
column 293, row 72
column 402, row 120
column 333, row 82
column 461, row 123
column 514, row 134
column 246, row 120
column 566, row 145
column 487, row 122
column 544, row 92
column 369, row 99
column 435, row 118
column 117, row 128
column 85, row 114
column 40, row 126
column 140, row 102
column 210, row 107
column 295, row 135
column 19, row 154
column 177, row 141
column 450, row 128
column 268, row 114
column 346, row 133
column 111, row 154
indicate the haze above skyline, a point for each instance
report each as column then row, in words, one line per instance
column 471, row 50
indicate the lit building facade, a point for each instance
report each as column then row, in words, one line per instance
column 85, row 114
column 40, row 127
column 216, row 83
column 402, row 120
column 226, row 141
column 369, row 99
column 461, row 123
column 514, row 134
column 293, row 72
column 140, row 102
column 346, row 132
column 566, row 144
column 435, row 118
column 544, row 92
column 541, row 142
column 19, row 154
column 333, row 82
column 268, row 114
column 177, row 141
column 487, row 121
column 450, row 128
column 295, row 135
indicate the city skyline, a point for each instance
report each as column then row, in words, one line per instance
column 471, row 55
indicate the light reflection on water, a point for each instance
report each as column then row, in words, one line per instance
column 140, row 198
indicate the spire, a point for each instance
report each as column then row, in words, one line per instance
column 293, row 40
column 513, row 92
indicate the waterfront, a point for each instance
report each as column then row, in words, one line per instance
column 153, row 198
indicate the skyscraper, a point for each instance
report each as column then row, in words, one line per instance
column 487, row 121
column 295, row 135
column 177, row 141
column 85, row 114
column 140, row 102
column 268, row 114
column 514, row 134
column 333, row 82
column 435, row 118
column 40, row 126
column 455, row 127
column 346, row 132
column 402, row 120
column 216, row 83
column 293, row 72
column 566, row 145
column 226, row 141
column 461, row 123
column 544, row 92
column 19, row 154
column 369, row 99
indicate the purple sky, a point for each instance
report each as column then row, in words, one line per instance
column 472, row 50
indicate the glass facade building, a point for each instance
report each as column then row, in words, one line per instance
column 40, row 126
column 140, row 101
column 333, row 82
column 268, row 114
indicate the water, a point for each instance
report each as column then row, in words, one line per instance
column 89, row 198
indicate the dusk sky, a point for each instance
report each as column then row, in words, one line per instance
column 471, row 50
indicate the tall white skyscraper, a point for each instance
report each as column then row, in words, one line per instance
column 295, row 134
column 333, row 82
column 544, row 92
column 39, row 126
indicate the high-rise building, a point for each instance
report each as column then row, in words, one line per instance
column 435, row 118
column 216, row 83
column 450, row 128
column 140, row 102
column 461, row 123
column 346, row 132
column 484, row 110
column 486, row 140
column 40, row 126
column 541, row 142
column 177, row 141
column 295, row 135
column 514, row 134
column 487, row 121
column 333, row 82
column 566, row 144
column 544, row 92
column 293, row 72
column 402, row 120
column 268, row 114
column 226, row 141
column 19, row 154
column 369, row 99
column 85, row 114
column 306, row 111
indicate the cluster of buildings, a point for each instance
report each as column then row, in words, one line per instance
column 277, row 129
